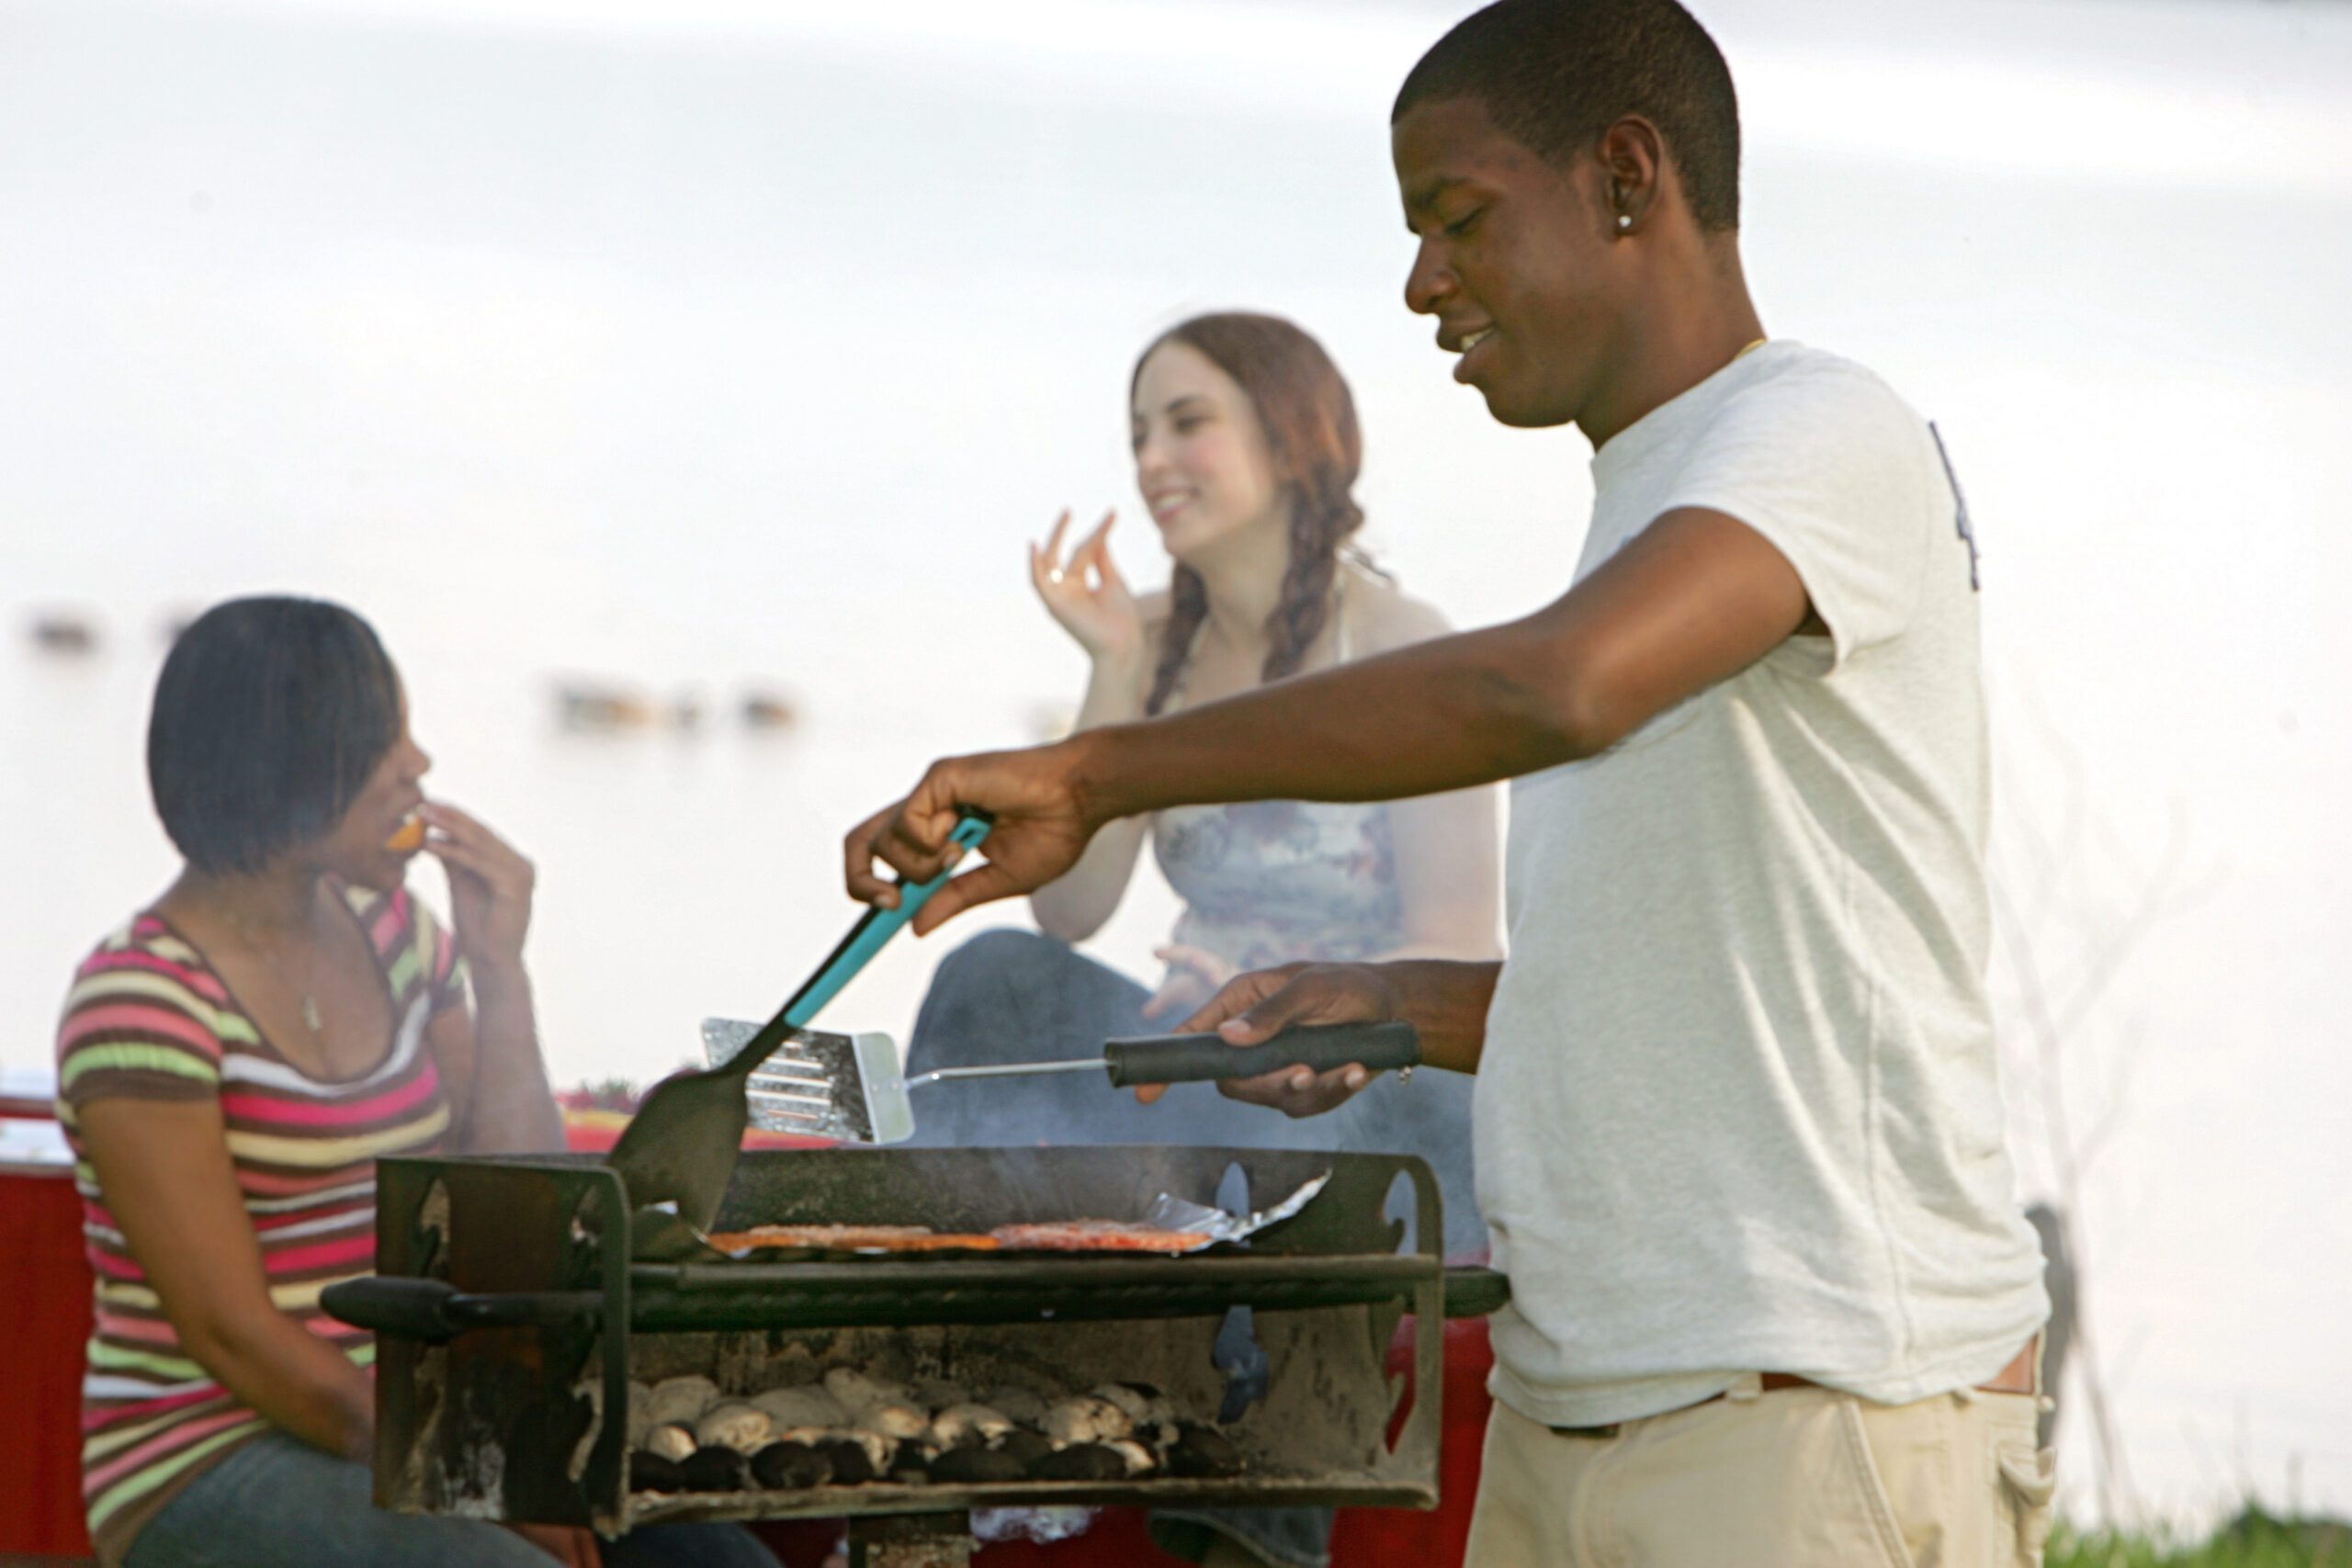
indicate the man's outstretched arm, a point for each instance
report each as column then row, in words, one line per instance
column 1691, row 600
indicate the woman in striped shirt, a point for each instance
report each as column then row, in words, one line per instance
column 232, row 1064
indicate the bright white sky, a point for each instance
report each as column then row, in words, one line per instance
column 633, row 337
column 2206, row 98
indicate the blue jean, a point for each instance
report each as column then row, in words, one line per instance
column 279, row 1503
column 1009, row 996
column 1013, row 995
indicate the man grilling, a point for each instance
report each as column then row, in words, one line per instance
column 1738, row 1132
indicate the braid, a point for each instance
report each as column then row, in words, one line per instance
column 1318, row 524
column 1188, row 606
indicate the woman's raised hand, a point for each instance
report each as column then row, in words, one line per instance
column 490, row 888
column 1195, row 975
column 1086, row 593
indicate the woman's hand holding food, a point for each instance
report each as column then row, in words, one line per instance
column 490, row 1057
column 1255, row 1006
column 490, row 889
column 1195, row 975
column 1087, row 594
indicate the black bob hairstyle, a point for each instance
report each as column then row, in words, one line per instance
column 1557, row 73
column 270, row 714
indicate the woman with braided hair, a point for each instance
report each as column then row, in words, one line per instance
column 1247, row 452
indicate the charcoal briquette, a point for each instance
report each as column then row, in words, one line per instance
column 1202, row 1453
column 654, row 1472
column 1026, row 1446
column 715, row 1469
column 1081, row 1462
column 790, row 1467
column 850, row 1465
column 973, row 1465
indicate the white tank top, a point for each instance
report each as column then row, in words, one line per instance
column 1278, row 881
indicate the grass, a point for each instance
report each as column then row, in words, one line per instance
column 2254, row 1540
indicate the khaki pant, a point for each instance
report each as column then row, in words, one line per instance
column 1791, row 1479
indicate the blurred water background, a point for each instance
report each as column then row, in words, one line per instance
column 698, row 349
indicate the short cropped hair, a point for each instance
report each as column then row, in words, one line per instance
column 269, row 716
column 1557, row 73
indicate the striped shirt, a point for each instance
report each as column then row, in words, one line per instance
column 147, row 1019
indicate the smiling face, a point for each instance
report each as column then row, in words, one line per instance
column 1516, row 261
column 356, row 849
column 1202, row 459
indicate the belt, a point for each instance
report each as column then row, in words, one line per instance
column 2022, row 1375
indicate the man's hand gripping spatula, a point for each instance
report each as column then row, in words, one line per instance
column 680, row 1145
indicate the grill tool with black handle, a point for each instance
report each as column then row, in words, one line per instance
column 680, row 1145
column 851, row 1089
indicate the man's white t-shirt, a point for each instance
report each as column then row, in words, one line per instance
column 1736, row 1110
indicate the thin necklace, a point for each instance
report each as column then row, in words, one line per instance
column 1749, row 349
column 310, row 1018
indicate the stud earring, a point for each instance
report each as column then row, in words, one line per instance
column 1624, row 221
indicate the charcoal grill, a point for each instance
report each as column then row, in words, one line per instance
column 512, row 1307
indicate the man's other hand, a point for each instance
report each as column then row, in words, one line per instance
column 1255, row 1006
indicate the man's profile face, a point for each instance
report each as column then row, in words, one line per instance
column 1516, row 261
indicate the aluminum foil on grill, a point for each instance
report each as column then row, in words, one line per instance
column 1171, row 1212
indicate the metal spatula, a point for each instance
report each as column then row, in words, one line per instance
column 849, row 1088
column 680, row 1145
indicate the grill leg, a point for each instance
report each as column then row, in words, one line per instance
column 910, row 1540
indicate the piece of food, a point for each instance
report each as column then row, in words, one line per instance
column 1097, row 1235
column 735, row 1425
column 974, row 1466
column 850, row 1238
column 892, row 1419
column 1081, row 1462
column 680, row 1400
column 1142, row 1402
column 853, row 1391
column 1085, row 1419
column 1202, row 1453
column 938, row 1393
column 1138, row 1457
column 652, row 1472
column 791, row 1467
column 672, row 1441
column 808, row 1405
column 1151, row 1414
column 409, row 837
column 1024, row 1406
column 715, row 1469
column 963, row 1425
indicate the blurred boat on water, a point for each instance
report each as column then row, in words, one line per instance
column 67, row 633
column 589, row 709
column 767, row 710
column 595, row 708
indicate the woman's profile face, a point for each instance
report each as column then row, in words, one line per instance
column 1201, row 456
column 357, row 847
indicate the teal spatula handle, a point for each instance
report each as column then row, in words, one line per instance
column 877, row 926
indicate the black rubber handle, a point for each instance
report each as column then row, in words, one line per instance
column 431, row 1311
column 1193, row 1059
column 1472, row 1290
column 412, row 1309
